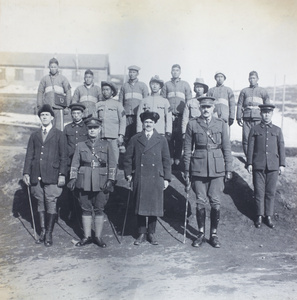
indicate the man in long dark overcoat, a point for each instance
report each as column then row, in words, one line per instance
column 45, row 170
column 147, row 162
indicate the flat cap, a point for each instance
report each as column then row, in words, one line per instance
column 77, row 106
column 157, row 79
column 111, row 85
column 46, row 108
column 267, row 107
column 89, row 71
column 93, row 122
column 206, row 100
column 133, row 67
column 149, row 115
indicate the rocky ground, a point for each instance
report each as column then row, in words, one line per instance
column 251, row 264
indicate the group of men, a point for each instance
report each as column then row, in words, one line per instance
column 197, row 127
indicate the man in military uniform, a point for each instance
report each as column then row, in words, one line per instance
column 93, row 171
column 45, row 170
column 208, row 165
column 52, row 87
column 158, row 104
column 225, row 102
column 131, row 94
column 75, row 132
column 248, row 112
column 192, row 106
column 265, row 160
column 113, row 117
column 177, row 92
column 88, row 94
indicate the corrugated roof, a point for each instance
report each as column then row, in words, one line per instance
column 40, row 60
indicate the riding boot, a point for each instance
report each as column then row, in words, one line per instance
column 200, row 216
column 99, row 221
column 51, row 218
column 214, row 221
column 42, row 225
column 87, row 227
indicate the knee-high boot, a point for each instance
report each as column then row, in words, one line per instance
column 99, row 222
column 200, row 216
column 42, row 225
column 51, row 218
column 214, row 222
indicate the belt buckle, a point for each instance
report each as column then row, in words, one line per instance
column 92, row 164
column 208, row 147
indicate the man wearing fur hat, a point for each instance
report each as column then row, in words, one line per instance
column 147, row 164
column 45, row 170
column 131, row 94
column 112, row 114
column 225, row 102
column 159, row 104
column 55, row 90
column 178, row 92
column 88, row 94
column 192, row 106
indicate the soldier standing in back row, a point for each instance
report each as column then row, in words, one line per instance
column 177, row 92
column 225, row 102
column 208, row 165
column 132, row 92
column 248, row 111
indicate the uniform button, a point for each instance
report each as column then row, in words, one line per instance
column 42, row 146
column 77, row 138
column 266, row 145
column 41, row 153
column 266, row 152
column 76, row 131
column 141, row 165
column 75, row 144
column 153, row 165
column 40, row 158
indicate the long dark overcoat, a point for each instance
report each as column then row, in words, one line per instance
column 46, row 159
column 148, row 161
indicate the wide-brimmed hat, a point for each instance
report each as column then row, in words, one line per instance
column 149, row 115
column 200, row 81
column 206, row 100
column 77, row 106
column 157, row 79
column 219, row 72
column 46, row 108
column 111, row 85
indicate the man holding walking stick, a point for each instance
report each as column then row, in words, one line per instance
column 45, row 169
column 208, row 165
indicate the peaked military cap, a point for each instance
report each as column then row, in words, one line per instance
column 77, row 106
column 149, row 115
column 93, row 122
column 266, row 107
column 46, row 108
column 206, row 100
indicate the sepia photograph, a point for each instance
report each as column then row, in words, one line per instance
column 148, row 149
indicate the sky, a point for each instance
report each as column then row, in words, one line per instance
column 203, row 36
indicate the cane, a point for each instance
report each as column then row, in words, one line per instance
column 31, row 209
column 186, row 212
column 126, row 213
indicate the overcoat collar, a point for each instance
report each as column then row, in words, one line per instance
column 148, row 144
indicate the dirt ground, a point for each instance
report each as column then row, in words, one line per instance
column 251, row 264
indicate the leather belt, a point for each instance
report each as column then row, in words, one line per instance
column 94, row 164
column 208, row 147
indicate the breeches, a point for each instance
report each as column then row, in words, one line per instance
column 208, row 187
column 90, row 201
column 46, row 195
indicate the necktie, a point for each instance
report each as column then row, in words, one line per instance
column 148, row 136
column 44, row 131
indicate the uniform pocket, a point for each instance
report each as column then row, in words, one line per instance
column 219, row 161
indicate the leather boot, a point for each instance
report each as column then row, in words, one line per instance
column 269, row 222
column 99, row 221
column 51, row 218
column 258, row 221
column 42, row 225
column 141, row 239
column 214, row 222
column 87, row 227
column 200, row 216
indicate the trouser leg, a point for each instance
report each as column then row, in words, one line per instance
column 259, row 181
column 141, row 224
column 271, row 181
column 152, row 222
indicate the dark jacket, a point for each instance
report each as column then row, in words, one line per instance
column 211, row 162
column 46, row 159
column 101, row 156
column 266, row 147
column 148, row 161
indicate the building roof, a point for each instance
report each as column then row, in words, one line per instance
column 66, row 61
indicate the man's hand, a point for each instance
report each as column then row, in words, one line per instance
column 250, row 169
column 61, row 180
column 228, row 176
column 108, row 186
column 184, row 136
column 71, row 184
column 187, row 181
column 26, row 179
column 120, row 140
column 281, row 170
column 129, row 178
column 231, row 121
column 239, row 122
column 166, row 183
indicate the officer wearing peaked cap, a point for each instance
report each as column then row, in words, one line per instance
column 207, row 165
column 266, row 161
column 93, row 171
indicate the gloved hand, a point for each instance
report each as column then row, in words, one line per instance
column 71, row 184
column 108, row 186
column 26, row 179
column 187, row 182
column 230, row 121
column 239, row 122
column 168, row 136
column 61, row 180
column 228, row 176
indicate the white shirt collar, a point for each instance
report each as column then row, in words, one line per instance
column 48, row 127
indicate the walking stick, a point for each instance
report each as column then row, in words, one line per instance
column 186, row 213
column 31, row 209
column 126, row 213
